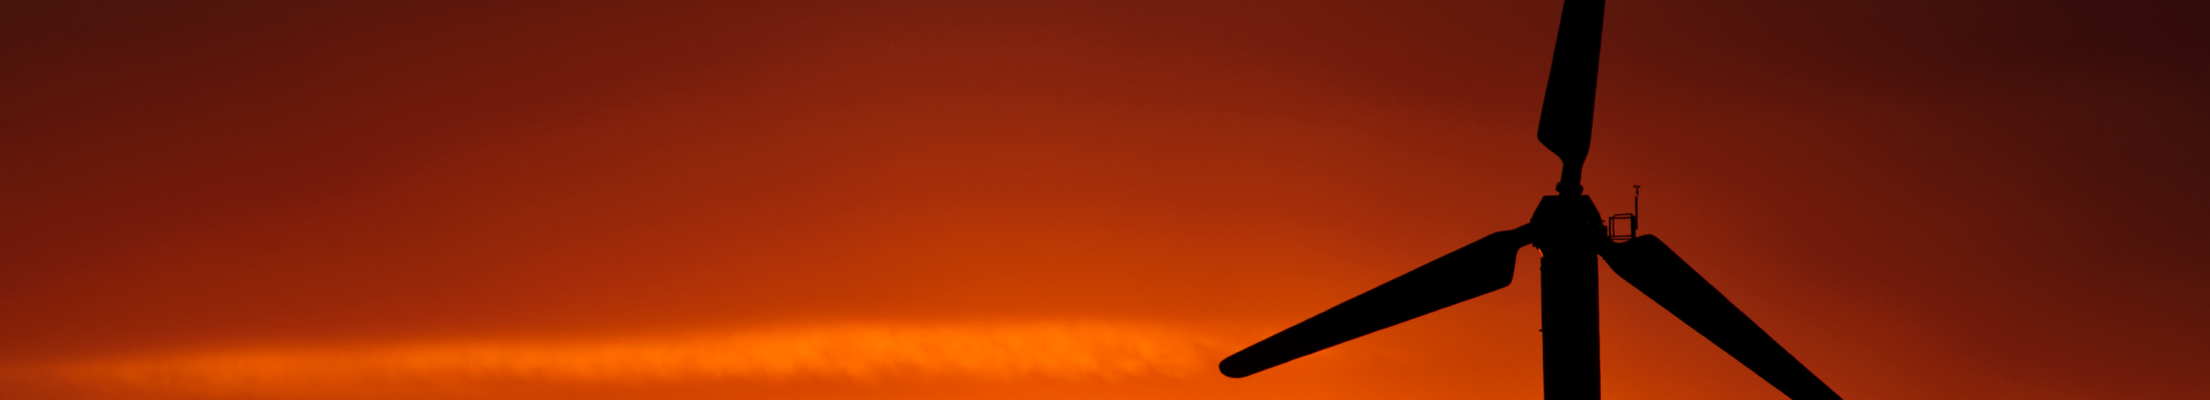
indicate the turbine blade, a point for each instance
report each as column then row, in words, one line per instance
column 1653, row 268
column 1569, row 99
column 1478, row 268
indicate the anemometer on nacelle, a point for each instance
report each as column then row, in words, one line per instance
column 1631, row 220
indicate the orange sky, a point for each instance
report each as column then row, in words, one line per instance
column 1098, row 199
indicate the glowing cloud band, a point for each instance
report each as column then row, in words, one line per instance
column 1028, row 351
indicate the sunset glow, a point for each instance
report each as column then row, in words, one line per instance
column 846, row 353
column 1077, row 199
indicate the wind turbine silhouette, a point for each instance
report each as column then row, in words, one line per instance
column 1571, row 235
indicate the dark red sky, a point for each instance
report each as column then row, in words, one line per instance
column 1921, row 200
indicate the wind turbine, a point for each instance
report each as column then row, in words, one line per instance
column 1571, row 235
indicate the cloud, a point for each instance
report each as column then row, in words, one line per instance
column 1066, row 351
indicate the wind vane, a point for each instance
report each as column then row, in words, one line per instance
column 1571, row 235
